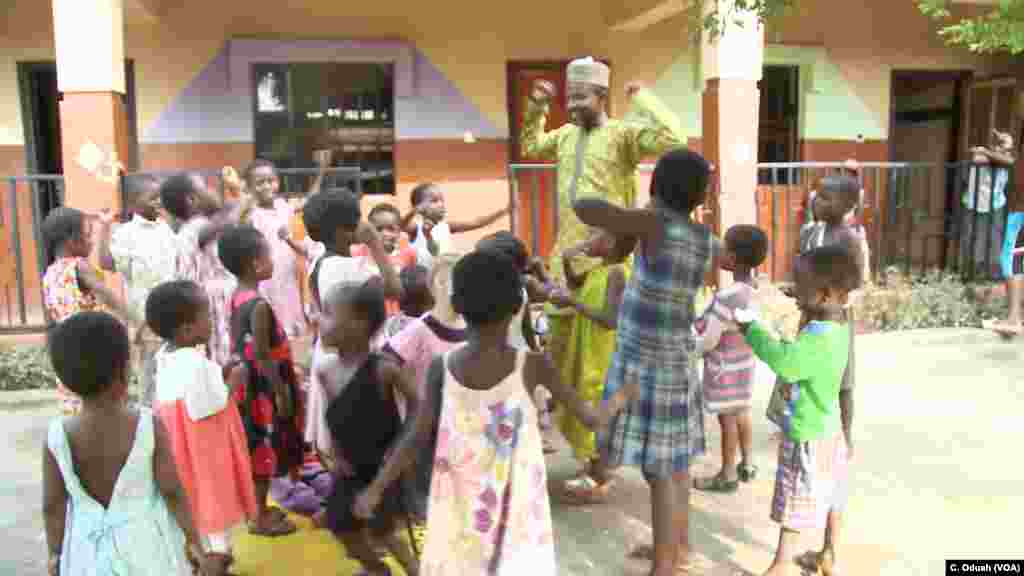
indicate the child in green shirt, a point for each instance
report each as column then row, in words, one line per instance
column 811, row 478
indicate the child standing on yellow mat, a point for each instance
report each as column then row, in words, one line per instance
column 594, row 297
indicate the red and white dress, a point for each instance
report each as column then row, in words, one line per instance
column 208, row 442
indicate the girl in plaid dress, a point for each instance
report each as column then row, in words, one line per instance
column 811, row 481
column 663, row 429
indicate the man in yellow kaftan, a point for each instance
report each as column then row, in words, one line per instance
column 596, row 155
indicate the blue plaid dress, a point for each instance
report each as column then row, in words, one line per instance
column 664, row 427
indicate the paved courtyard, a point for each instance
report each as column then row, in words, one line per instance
column 935, row 476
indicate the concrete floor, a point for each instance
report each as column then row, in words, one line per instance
column 934, row 477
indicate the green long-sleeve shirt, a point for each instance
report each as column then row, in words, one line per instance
column 600, row 163
column 815, row 363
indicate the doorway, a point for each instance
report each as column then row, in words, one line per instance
column 926, row 128
column 40, row 112
column 778, row 129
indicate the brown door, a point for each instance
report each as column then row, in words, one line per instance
column 536, row 217
column 536, row 220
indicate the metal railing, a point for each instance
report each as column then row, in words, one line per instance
column 539, row 179
column 914, row 214
column 28, row 198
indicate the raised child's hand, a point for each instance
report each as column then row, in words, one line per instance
column 366, row 233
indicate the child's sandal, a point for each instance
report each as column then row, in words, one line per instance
column 746, row 472
column 716, row 483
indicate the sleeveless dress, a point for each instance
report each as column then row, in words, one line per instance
column 663, row 429
column 415, row 347
column 364, row 424
column 136, row 535
column 275, row 441
column 489, row 511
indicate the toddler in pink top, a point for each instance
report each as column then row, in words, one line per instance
column 416, row 345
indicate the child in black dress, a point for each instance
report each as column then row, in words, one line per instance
column 364, row 423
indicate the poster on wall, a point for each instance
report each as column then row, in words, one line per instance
column 271, row 90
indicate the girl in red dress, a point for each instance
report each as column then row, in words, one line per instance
column 265, row 385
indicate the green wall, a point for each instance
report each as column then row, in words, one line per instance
column 829, row 106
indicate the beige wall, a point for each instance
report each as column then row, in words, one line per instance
column 471, row 44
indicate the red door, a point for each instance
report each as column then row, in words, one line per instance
column 536, row 218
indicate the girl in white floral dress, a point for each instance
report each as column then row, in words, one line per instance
column 489, row 511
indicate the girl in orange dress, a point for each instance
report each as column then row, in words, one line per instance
column 71, row 284
column 208, row 440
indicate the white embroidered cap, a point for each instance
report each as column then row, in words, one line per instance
column 589, row 71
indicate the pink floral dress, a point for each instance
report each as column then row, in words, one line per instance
column 64, row 298
column 282, row 290
column 203, row 267
column 489, row 511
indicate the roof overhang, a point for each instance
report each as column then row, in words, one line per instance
column 637, row 15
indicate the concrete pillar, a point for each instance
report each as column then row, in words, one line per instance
column 731, row 66
column 89, row 39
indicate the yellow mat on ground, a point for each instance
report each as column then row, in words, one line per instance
column 307, row 551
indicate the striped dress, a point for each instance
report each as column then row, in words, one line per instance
column 729, row 367
column 663, row 429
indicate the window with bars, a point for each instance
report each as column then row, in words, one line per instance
column 347, row 108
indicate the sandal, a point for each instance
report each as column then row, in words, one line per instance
column 548, row 446
column 818, row 563
column 746, row 472
column 716, row 483
column 1003, row 328
column 585, row 491
column 642, row 552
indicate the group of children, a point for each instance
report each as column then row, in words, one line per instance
column 425, row 394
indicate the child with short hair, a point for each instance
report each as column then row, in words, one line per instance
column 839, row 195
column 71, row 284
column 109, row 470
column 811, row 482
column 199, row 218
column 663, row 431
column 479, row 402
column 417, row 300
column 364, row 423
column 595, row 298
column 143, row 251
column 270, row 215
column 429, row 230
column 729, row 363
column 333, row 218
column 208, row 440
column 521, row 334
column 268, row 394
